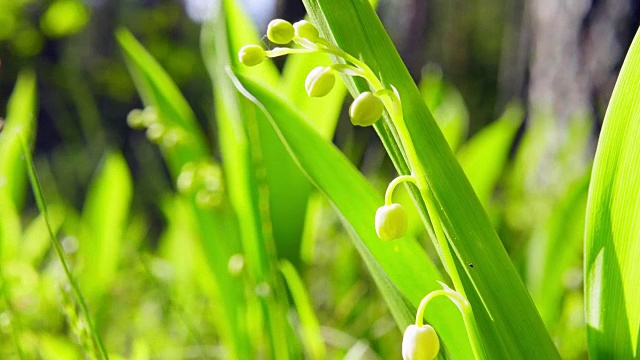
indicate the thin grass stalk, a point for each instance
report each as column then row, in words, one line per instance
column 42, row 206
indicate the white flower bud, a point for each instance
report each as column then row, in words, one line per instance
column 366, row 109
column 305, row 29
column 320, row 81
column 420, row 343
column 391, row 222
column 251, row 55
column 280, row 31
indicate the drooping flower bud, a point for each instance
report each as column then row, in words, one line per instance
column 420, row 343
column 305, row 29
column 280, row 31
column 391, row 222
column 366, row 109
column 251, row 55
column 320, row 81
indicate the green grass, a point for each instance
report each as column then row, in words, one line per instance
column 268, row 247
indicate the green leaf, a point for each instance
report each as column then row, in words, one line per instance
column 401, row 269
column 35, row 238
column 555, row 246
column 613, row 223
column 216, row 226
column 19, row 124
column 311, row 336
column 509, row 326
column 266, row 191
column 446, row 104
column 98, row 349
column 105, row 216
column 483, row 157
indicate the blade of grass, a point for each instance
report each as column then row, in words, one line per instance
column 311, row 336
column 250, row 157
column 612, row 228
column 104, row 217
column 493, row 287
column 554, row 248
column 447, row 106
column 288, row 195
column 35, row 238
column 42, row 206
column 483, row 157
column 217, row 226
column 20, row 121
column 401, row 269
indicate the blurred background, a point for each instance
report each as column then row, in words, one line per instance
column 557, row 57
column 551, row 63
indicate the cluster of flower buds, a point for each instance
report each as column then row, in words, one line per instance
column 420, row 342
column 365, row 110
column 156, row 131
column 205, row 179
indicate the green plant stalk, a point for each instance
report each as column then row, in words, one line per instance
column 465, row 311
column 392, row 103
column 42, row 206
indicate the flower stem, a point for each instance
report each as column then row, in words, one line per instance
column 392, row 185
column 465, row 310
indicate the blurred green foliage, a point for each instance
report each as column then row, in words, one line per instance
column 138, row 241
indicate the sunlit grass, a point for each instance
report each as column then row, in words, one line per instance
column 268, row 247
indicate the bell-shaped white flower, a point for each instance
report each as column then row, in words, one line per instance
column 420, row 343
column 391, row 222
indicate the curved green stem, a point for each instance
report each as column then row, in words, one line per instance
column 465, row 310
column 392, row 185
column 281, row 51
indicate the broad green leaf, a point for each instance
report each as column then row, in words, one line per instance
column 483, row 157
column 613, row 223
column 400, row 268
column 105, row 216
column 555, row 246
column 19, row 124
column 509, row 326
column 216, row 226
